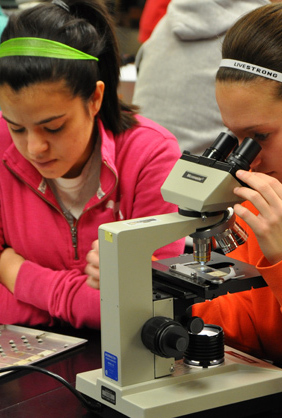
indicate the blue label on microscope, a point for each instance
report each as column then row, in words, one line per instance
column 111, row 366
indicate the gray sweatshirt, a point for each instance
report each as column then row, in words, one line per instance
column 177, row 66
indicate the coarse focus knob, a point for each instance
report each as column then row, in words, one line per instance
column 165, row 337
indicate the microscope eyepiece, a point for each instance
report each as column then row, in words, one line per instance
column 221, row 147
column 245, row 154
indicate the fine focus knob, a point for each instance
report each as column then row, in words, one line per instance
column 165, row 337
column 195, row 325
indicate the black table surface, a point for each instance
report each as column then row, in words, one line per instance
column 25, row 394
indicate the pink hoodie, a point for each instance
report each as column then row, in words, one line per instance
column 51, row 284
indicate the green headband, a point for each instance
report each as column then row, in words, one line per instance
column 39, row 47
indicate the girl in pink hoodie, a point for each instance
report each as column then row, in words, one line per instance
column 73, row 157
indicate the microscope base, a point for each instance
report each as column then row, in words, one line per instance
column 189, row 389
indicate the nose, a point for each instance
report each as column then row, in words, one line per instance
column 36, row 144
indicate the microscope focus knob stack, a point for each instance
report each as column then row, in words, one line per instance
column 165, row 337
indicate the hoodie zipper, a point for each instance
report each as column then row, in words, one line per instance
column 73, row 226
column 75, row 221
column 74, row 238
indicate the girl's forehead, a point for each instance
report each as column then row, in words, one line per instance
column 259, row 92
column 40, row 94
column 246, row 105
column 37, row 102
column 268, row 87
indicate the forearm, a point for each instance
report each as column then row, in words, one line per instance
column 64, row 294
column 13, row 311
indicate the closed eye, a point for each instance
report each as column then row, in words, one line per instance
column 53, row 131
column 260, row 137
column 18, row 131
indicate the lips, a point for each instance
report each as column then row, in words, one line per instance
column 43, row 164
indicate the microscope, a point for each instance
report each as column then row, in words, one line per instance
column 157, row 360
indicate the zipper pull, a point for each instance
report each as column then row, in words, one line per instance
column 74, row 240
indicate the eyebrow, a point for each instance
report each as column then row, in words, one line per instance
column 37, row 123
column 254, row 127
column 249, row 128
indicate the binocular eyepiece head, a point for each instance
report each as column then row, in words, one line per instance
column 226, row 148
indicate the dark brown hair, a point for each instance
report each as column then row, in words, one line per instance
column 88, row 27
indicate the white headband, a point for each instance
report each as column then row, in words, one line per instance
column 251, row 68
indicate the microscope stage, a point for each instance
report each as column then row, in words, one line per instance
column 182, row 277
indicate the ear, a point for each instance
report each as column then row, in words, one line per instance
column 96, row 99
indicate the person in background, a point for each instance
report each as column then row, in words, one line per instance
column 73, row 157
column 249, row 96
column 176, row 68
column 152, row 13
